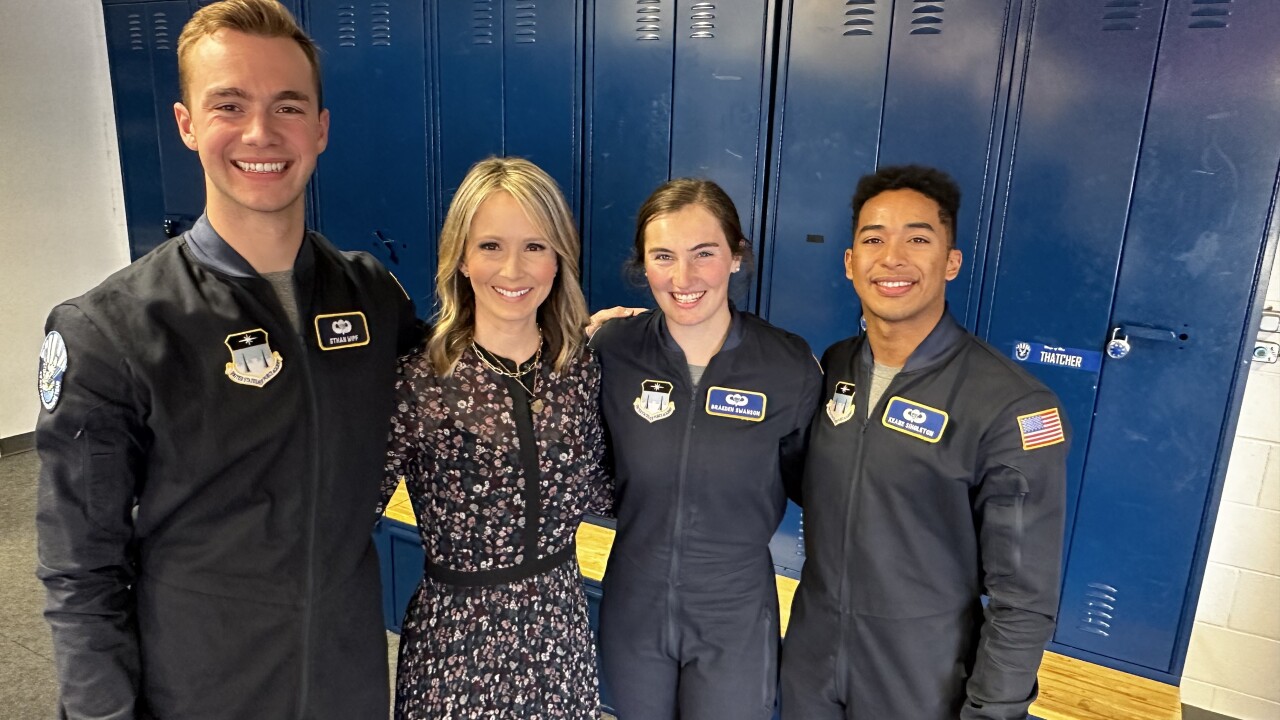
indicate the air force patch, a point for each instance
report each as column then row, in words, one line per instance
column 342, row 330
column 840, row 407
column 253, row 362
column 654, row 402
column 914, row 419
column 736, row 404
column 53, row 365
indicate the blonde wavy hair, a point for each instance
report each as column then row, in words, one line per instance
column 561, row 316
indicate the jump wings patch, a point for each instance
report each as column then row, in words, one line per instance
column 1041, row 429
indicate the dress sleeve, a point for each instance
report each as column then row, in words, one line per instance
column 1019, row 510
column 601, row 494
column 92, row 446
column 404, row 441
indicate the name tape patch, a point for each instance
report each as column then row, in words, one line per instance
column 914, row 419
column 1038, row 354
column 338, row 331
column 737, row 404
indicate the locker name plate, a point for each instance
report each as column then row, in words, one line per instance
column 1029, row 352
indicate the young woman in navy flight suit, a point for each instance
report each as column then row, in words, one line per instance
column 707, row 409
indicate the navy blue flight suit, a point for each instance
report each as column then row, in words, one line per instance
column 689, row 620
column 954, row 487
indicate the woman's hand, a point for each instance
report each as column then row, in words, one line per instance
column 603, row 316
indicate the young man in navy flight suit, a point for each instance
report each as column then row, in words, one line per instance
column 214, row 425
column 935, row 475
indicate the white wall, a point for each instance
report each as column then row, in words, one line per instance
column 62, row 224
column 1233, row 666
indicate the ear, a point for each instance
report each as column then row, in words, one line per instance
column 322, row 141
column 955, row 259
column 183, row 116
column 848, row 263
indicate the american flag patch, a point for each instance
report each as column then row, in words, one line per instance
column 1040, row 429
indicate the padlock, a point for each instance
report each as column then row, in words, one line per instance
column 1119, row 345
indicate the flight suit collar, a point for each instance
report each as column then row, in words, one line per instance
column 211, row 250
column 937, row 346
column 731, row 341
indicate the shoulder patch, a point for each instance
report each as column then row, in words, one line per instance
column 53, row 366
column 1041, row 429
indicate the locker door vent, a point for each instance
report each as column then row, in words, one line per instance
column 380, row 24
column 481, row 22
column 649, row 20
column 1099, row 609
column 703, row 20
column 346, row 26
column 160, row 30
column 860, row 17
column 135, row 32
column 526, row 22
column 1205, row 16
column 1122, row 15
column 930, row 20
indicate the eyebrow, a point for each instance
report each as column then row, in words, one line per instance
column 699, row 246
column 918, row 225
column 235, row 92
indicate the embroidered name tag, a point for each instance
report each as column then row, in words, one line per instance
column 342, row 330
column 737, row 404
column 914, row 419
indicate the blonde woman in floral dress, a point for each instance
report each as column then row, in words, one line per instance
column 498, row 436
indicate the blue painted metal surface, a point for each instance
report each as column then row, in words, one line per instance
column 944, row 102
column 673, row 89
column 1053, row 262
column 827, row 110
column 163, row 182
column 372, row 182
column 1193, row 245
column 508, row 81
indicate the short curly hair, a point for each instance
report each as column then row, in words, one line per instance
column 930, row 182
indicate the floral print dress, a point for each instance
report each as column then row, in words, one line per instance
column 498, row 627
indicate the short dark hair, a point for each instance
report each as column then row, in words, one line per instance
column 930, row 182
column 675, row 195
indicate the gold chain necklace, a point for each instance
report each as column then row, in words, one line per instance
column 535, row 403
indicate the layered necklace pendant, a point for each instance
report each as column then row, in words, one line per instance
column 497, row 365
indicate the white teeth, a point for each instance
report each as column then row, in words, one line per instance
column 894, row 284
column 274, row 167
column 687, row 297
column 512, row 293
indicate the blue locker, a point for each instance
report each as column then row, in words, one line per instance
column 673, row 90
column 163, row 182
column 827, row 112
column 1055, row 257
column 508, row 81
column 372, row 183
column 944, row 105
column 1194, row 244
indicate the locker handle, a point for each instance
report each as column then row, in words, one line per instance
column 1147, row 332
column 1118, row 346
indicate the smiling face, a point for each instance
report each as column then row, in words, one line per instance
column 688, row 261
column 900, row 261
column 510, row 264
column 255, row 121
